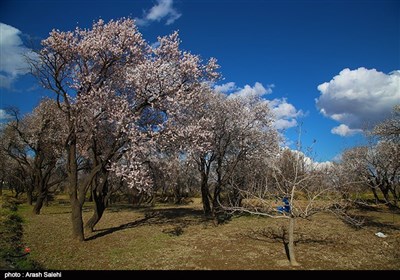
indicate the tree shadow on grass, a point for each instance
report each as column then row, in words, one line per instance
column 369, row 205
column 178, row 217
column 107, row 231
column 173, row 214
column 273, row 235
column 371, row 222
column 280, row 235
column 115, row 208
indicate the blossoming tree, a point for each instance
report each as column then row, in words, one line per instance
column 108, row 81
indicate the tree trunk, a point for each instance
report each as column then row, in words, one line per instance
column 385, row 192
column 42, row 186
column 395, row 198
column 216, row 207
column 177, row 194
column 1, row 187
column 77, row 222
column 292, row 257
column 205, row 195
column 39, row 202
column 99, row 207
column 217, row 190
column 46, row 200
column 90, row 199
column 375, row 195
column 76, row 205
column 100, row 197
column 29, row 196
column 237, row 198
column 204, row 168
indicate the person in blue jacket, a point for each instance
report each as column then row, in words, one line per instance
column 285, row 207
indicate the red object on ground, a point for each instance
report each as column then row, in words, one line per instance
column 27, row 250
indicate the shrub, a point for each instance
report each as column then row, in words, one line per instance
column 12, row 254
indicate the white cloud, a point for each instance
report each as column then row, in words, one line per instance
column 359, row 98
column 337, row 158
column 4, row 116
column 162, row 10
column 155, row 45
column 285, row 113
column 283, row 109
column 5, row 81
column 310, row 164
column 323, row 165
column 226, row 88
column 344, row 130
column 257, row 90
column 12, row 51
column 282, row 124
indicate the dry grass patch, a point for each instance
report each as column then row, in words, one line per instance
column 179, row 237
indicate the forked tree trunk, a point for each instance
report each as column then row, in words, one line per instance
column 99, row 207
column 100, row 197
column 292, row 257
column 204, row 168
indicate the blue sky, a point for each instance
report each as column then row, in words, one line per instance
column 331, row 65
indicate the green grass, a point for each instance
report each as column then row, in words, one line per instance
column 179, row 237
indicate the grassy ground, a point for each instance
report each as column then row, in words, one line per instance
column 178, row 237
